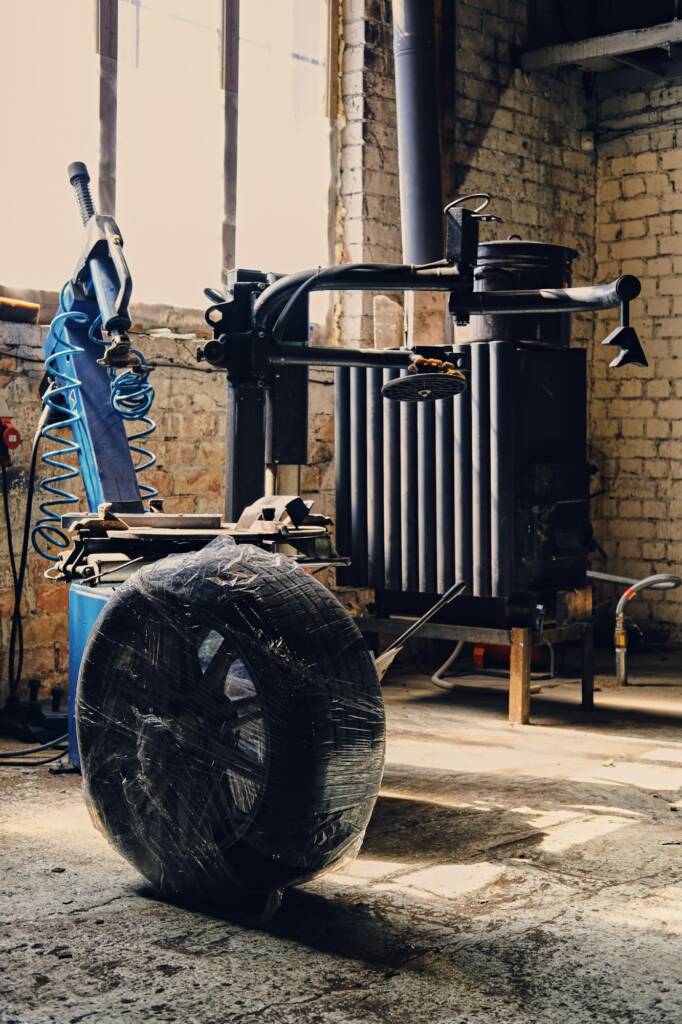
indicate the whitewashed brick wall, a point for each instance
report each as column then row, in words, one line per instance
column 636, row 414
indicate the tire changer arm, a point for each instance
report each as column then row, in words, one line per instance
column 252, row 328
column 86, row 345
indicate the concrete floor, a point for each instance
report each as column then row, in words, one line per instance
column 509, row 875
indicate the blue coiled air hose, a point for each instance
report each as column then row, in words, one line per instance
column 58, row 399
column 132, row 396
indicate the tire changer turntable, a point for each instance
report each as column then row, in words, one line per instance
column 224, row 708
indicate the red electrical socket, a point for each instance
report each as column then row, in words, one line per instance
column 10, row 438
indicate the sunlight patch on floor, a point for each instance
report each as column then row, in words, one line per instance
column 447, row 881
column 663, row 910
column 458, row 757
column 72, row 826
column 581, row 830
column 629, row 773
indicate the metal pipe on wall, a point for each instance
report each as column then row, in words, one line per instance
column 416, row 87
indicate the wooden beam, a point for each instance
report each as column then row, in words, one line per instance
column 107, row 48
column 230, row 83
column 334, row 28
column 615, row 45
column 107, row 28
column 519, row 676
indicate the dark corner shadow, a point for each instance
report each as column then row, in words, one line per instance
column 464, row 127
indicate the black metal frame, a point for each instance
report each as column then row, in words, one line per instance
column 261, row 328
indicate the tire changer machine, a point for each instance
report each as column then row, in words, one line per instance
column 97, row 396
column 96, row 383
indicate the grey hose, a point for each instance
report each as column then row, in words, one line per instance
column 659, row 581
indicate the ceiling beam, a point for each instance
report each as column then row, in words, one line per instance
column 615, row 45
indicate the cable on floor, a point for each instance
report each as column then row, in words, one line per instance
column 52, row 745
column 32, row 764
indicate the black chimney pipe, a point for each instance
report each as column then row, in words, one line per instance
column 416, row 89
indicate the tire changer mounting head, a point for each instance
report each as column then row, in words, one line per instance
column 262, row 322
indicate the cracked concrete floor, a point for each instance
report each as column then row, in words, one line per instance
column 509, row 875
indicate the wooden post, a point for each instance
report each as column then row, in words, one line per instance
column 230, row 83
column 107, row 48
column 519, row 676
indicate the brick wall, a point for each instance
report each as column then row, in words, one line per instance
column 636, row 415
column 523, row 139
column 189, row 444
column 519, row 137
column 189, row 410
column 369, row 206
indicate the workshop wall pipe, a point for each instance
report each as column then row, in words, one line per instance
column 659, row 581
column 416, row 88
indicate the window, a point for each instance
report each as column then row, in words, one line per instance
column 165, row 132
column 169, row 185
column 48, row 118
column 284, row 150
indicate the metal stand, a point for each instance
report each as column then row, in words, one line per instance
column 521, row 640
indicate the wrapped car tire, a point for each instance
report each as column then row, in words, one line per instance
column 230, row 725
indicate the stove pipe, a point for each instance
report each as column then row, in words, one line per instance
column 416, row 89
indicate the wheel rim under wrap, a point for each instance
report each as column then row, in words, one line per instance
column 230, row 724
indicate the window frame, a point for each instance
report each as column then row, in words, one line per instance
column 106, row 47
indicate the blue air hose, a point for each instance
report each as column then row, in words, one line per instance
column 63, row 416
column 132, row 396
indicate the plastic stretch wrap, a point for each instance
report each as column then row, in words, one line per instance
column 230, row 724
